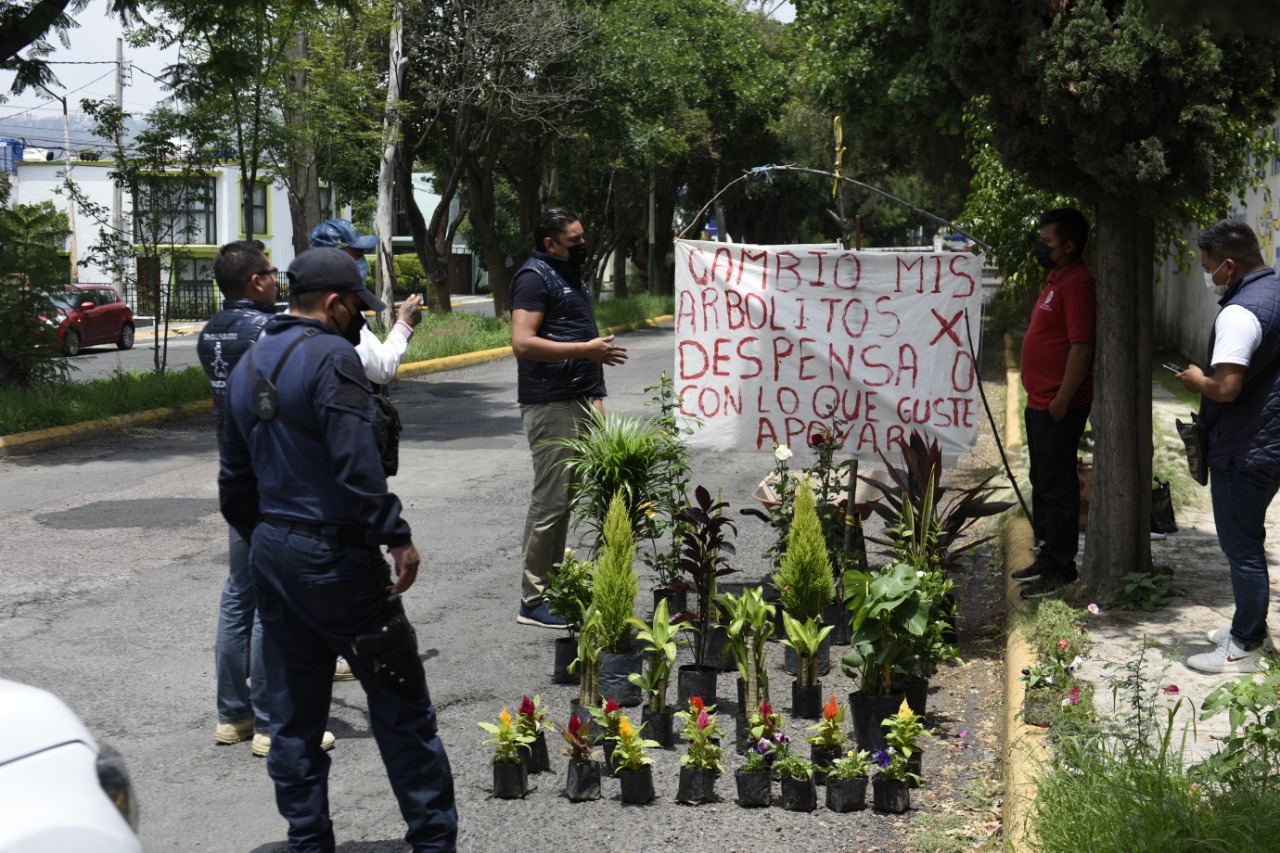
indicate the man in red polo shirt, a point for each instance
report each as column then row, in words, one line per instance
column 1057, row 372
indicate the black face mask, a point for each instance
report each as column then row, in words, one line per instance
column 578, row 255
column 351, row 332
column 1044, row 255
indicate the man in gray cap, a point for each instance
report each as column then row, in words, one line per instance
column 381, row 359
column 301, row 479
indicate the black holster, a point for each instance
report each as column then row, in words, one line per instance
column 391, row 653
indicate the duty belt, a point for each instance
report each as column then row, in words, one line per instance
column 348, row 535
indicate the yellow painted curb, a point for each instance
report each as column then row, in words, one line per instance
column 1024, row 754
column 39, row 439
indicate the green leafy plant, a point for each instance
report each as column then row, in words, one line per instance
column 750, row 623
column 701, row 731
column 759, row 756
column 829, row 732
column 703, row 557
column 1250, row 753
column 892, row 766
column 587, row 663
column 659, row 637
column 569, row 590
column 793, row 767
column 607, row 717
column 806, row 638
column 1146, row 591
column 670, row 491
column 530, row 718
column 614, row 583
column 889, row 617
column 765, row 723
column 904, row 731
column 804, row 579
column 507, row 739
column 854, row 764
column 630, row 750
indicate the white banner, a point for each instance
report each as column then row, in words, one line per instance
column 769, row 338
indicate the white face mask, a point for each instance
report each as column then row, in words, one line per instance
column 1208, row 278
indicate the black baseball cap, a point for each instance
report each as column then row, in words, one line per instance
column 318, row 270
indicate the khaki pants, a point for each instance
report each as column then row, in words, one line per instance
column 546, row 528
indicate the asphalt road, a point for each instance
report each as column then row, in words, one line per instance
column 115, row 556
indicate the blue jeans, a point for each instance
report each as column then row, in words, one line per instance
column 1240, row 501
column 315, row 596
column 242, row 689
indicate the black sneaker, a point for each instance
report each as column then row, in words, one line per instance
column 539, row 615
column 1030, row 573
column 1051, row 583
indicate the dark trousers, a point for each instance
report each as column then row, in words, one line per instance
column 1055, row 485
column 315, row 596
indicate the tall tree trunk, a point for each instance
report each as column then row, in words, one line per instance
column 482, row 211
column 303, row 170
column 432, row 243
column 1119, row 540
column 386, row 278
column 621, row 240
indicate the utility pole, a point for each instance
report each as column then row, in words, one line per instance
column 117, row 192
column 653, row 228
column 71, row 202
column 386, row 169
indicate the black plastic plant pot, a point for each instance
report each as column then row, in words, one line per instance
column 510, row 781
column 790, row 660
column 867, row 712
column 608, row 746
column 799, row 794
column 636, row 785
column 846, row 795
column 677, row 600
column 837, row 616
column 890, row 795
column 755, row 788
column 696, row 786
column 720, row 650
column 693, row 680
column 614, row 669
column 657, row 725
column 535, row 755
column 823, row 757
column 566, row 653
column 582, row 782
column 806, row 700
column 917, row 692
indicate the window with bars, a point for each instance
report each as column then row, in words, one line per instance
column 177, row 211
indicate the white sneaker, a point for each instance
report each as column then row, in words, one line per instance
column 1217, row 635
column 342, row 671
column 262, row 743
column 1227, row 658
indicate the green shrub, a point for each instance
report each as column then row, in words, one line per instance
column 805, row 579
column 615, row 584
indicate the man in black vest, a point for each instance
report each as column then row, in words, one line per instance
column 1240, row 404
column 559, row 357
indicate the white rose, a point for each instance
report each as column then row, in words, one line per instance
column 782, row 453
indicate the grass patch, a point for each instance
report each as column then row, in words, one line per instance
column 968, row 826
column 456, row 333
column 120, row 394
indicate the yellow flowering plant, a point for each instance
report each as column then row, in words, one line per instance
column 629, row 754
column 904, row 730
column 507, row 739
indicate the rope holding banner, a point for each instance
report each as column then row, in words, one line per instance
column 838, row 129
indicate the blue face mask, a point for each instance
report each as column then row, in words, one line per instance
column 364, row 268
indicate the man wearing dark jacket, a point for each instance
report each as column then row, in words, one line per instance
column 559, row 361
column 301, row 477
column 1240, row 406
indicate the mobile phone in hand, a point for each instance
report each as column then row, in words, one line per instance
column 1173, row 368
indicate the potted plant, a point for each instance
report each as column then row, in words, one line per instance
column 703, row 557
column 700, row 765
column 755, row 777
column 659, row 637
column 568, row 596
column 614, row 588
column 669, row 493
column 903, row 733
column 847, row 781
column 587, row 663
column 889, row 790
column 804, row 579
column 889, row 615
column 806, row 639
column 750, row 625
column 828, row 740
column 631, row 763
column 530, row 720
column 582, row 782
column 798, row 791
column 510, row 779
column 606, row 719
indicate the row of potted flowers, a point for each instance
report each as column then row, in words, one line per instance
column 519, row 748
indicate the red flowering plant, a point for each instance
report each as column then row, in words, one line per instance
column 828, row 733
column 607, row 717
column 702, row 732
column 577, row 737
column 530, row 718
column 764, row 722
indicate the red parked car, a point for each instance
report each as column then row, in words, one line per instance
column 90, row 315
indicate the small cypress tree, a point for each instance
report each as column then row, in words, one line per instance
column 805, row 579
column 615, row 583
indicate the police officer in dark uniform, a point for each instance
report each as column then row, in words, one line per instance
column 301, row 478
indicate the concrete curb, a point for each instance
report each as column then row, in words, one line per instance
column 29, row 442
column 39, row 439
column 1023, row 752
